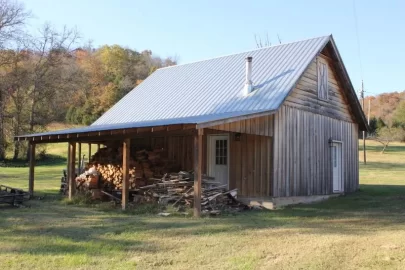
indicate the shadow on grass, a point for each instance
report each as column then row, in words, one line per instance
column 379, row 148
column 49, row 160
column 65, row 228
column 379, row 166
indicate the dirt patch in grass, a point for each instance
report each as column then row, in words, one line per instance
column 5, row 176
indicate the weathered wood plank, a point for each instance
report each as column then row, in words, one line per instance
column 263, row 165
column 72, row 170
column 303, row 154
column 198, row 156
column 79, row 163
column 255, row 126
column 126, row 149
column 89, row 151
column 258, row 176
column 250, row 164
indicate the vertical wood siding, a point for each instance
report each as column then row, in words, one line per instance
column 302, row 155
column 305, row 94
column 178, row 148
column 181, row 149
column 258, row 126
column 249, row 163
column 250, row 166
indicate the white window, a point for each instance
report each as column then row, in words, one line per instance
column 221, row 152
column 322, row 80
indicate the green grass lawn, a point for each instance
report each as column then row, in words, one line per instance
column 364, row 230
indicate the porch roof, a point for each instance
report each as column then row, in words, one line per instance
column 94, row 131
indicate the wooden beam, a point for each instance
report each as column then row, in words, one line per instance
column 72, row 169
column 143, row 129
column 31, row 170
column 89, row 151
column 95, row 137
column 126, row 148
column 234, row 119
column 159, row 128
column 175, row 127
column 79, row 165
column 198, row 161
column 98, row 147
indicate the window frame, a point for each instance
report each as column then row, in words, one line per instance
column 322, row 93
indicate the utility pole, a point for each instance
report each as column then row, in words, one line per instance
column 368, row 116
column 364, row 133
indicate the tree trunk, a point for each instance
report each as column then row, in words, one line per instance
column 31, row 130
column 385, row 147
column 2, row 137
column 16, row 150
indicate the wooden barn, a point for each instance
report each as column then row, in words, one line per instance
column 280, row 121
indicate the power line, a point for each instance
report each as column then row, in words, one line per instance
column 358, row 39
column 361, row 74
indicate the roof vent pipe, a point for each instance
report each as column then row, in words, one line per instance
column 248, row 82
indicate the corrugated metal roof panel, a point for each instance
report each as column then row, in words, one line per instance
column 214, row 87
column 209, row 90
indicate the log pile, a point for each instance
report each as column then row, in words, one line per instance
column 112, row 176
column 149, row 183
column 143, row 166
column 177, row 190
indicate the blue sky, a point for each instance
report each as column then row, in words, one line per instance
column 196, row 30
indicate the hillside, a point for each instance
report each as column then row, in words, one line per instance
column 383, row 105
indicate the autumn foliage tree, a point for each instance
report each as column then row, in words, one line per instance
column 108, row 74
column 46, row 76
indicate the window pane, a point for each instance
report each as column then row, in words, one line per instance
column 322, row 80
column 225, row 161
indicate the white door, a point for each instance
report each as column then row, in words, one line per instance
column 218, row 158
column 337, row 167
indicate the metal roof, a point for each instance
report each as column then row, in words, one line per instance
column 210, row 90
column 215, row 86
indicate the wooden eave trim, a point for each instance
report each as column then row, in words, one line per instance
column 351, row 94
column 95, row 136
column 234, row 119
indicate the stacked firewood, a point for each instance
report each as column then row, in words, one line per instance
column 113, row 176
column 143, row 166
column 108, row 155
column 177, row 189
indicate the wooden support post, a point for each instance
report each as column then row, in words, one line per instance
column 198, row 158
column 68, row 162
column 79, row 165
column 89, row 151
column 72, row 169
column 126, row 148
column 98, row 147
column 31, row 170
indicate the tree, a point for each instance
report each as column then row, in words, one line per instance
column 107, row 74
column 38, row 78
column 398, row 117
column 380, row 123
column 50, row 49
column 373, row 125
column 388, row 134
column 12, row 20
